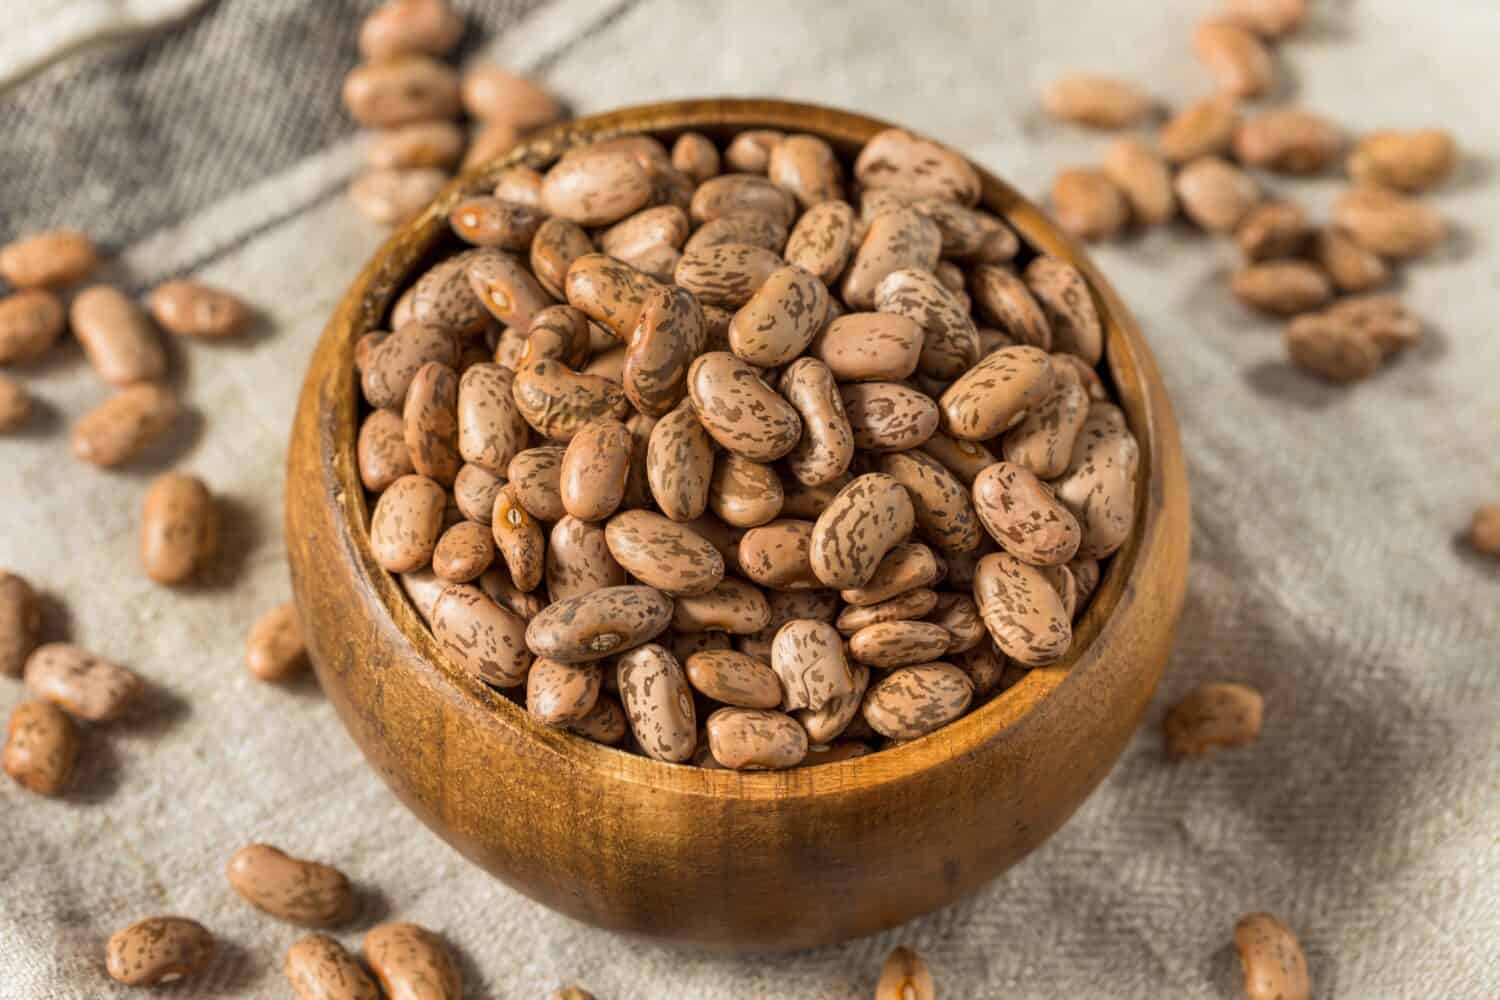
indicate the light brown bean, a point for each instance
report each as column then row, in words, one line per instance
column 1096, row 101
column 591, row 481
column 1272, row 959
column 116, row 336
column 481, row 637
column 1236, row 59
column 1203, row 128
column 870, row 347
column 741, row 192
column 55, row 258
column 747, row 739
column 41, row 747
column 743, row 493
column 319, row 968
column 1388, row 223
column 1024, row 615
column 913, row 701
column 1214, row 715
column 86, row 686
column 158, row 950
column 733, row 606
column 808, row 657
column 518, row 540
column 1099, row 483
column 997, row 393
column 117, row 429
column 594, row 625
column 905, row 977
column 395, row 196
column 493, row 95
column 1088, row 204
column 1407, row 161
column 559, row 694
column 409, row 27
column 896, row 158
column 1289, row 140
column 734, row 678
column 776, row 555
column 658, row 702
column 664, row 554
column 179, row 528
column 274, row 649
column 308, row 893
column 579, row 560
column 420, row 144
column 411, row 963
column 405, row 525
column 1214, row 194
column 20, row 622
column 30, row 323
column 401, row 90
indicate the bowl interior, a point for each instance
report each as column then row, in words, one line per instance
column 1129, row 367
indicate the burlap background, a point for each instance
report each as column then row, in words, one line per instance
column 1326, row 568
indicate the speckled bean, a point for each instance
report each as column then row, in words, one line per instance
column 84, row 685
column 274, row 649
column 746, row 739
column 658, row 703
column 868, row 517
column 1099, row 484
column 680, row 464
column 318, row 968
column 733, row 606
column 664, row 554
column 560, row 694
column 896, row 158
column 727, row 275
column 41, row 747
column 594, row 468
column 52, row 259
column 896, row 240
column 1022, row 514
column 907, row 566
column 480, row 636
column 1024, row 614
column 297, row 891
column 950, row 341
column 809, row 658
column 405, row 525
column 913, row 701
column 464, row 551
column 594, row 625
column 739, row 410
column 743, row 493
column 411, row 963
column 898, row 643
column 430, row 421
column 158, row 950
column 116, row 336
column 401, row 90
column 558, row 401
column 394, row 362
column 888, row 416
column 179, row 528
column 20, row 622
column 996, row 394
column 741, row 192
column 1271, row 958
column 118, row 428
column 823, row 240
column 734, row 679
column 944, row 512
column 669, row 333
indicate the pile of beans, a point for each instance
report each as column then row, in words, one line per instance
column 1201, row 162
column 686, row 435
column 411, row 99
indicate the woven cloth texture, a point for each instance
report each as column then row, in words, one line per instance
column 1327, row 569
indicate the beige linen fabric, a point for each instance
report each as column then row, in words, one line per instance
column 1326, row 572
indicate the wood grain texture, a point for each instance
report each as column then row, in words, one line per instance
column 712, row 858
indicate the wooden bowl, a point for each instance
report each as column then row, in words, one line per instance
column 713, row 858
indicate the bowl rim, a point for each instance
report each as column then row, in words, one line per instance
column 1131, row 366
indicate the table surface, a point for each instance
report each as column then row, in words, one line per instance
column 1328, row 570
